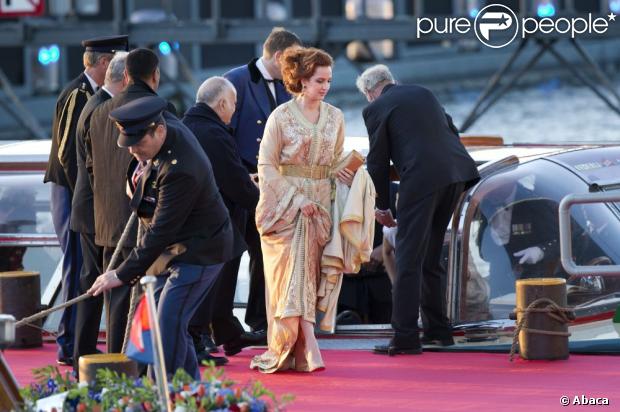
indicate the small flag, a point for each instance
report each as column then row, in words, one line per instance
column 140, row 347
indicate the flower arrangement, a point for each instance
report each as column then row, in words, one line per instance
column 112, row 392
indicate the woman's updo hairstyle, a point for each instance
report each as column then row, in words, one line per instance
column 300, row 63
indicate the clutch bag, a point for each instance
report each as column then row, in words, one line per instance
column 351, row 161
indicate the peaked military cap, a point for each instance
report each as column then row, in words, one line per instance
column 107, row 44
column 134, row 118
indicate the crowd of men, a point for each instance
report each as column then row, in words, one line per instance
column 118, row 148
column 100, row 123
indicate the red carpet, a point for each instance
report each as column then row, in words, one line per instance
column 359, row 380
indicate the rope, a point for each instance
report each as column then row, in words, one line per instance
column 555, row 312
column 42, row 329
column 133, row 301
column 121, row 242
column 44, row 313
column 29, row 319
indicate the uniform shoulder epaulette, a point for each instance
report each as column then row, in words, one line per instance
column 67, row 117
column 84, row 89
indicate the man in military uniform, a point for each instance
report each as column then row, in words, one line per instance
column 260, row 90
column 88, row 315
column 110, row 200
column 62, row 172
column 188, row 234
column 518, row 234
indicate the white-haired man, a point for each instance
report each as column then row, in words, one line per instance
column 209, row 119
column 406, row 124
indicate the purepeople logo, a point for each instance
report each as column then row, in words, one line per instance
column 496, row 18
column 497, row 25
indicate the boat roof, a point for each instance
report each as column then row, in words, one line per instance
column 36, row 152
column 25, row 155
column 482, row 153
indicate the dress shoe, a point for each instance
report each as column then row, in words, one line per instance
column 392, row 350
column 244, row 340
column 65, row 361
column 204, row 342
column 205, row 356
column 209, row 344
column 260, row 335
column 432, row 340
column 348, row 317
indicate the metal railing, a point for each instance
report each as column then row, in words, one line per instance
column 566, row 243
column 28, row 239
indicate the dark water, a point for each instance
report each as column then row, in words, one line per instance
column 552, row 111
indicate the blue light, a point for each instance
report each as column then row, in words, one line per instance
column 546, row 10
column 473, row 12
column 44, row 56
column 54, row 53
column 176, row 45
column 614, row 6
column 48, row 55
column 164, row 48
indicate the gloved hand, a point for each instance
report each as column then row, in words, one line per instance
column 531, row 255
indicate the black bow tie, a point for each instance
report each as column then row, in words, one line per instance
column 274, row 81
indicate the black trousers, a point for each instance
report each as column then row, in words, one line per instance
column 117, row 305
column 420, row 277
column 60, row 204
column 255, row 315
column 216, row 309
column 225, row 325
column 88, row 316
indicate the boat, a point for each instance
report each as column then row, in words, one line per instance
column 481, row 301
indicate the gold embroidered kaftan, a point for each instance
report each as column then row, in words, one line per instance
column 292, row 244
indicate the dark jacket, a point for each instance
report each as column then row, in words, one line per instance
column 181, row 207
column 408, row 125
column 62, row 165
column 110, row 163
column 240, row 195
column 82, row 215
column 533, row 222
column 254, row 105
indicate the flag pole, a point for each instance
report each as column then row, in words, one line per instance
column 148, row 282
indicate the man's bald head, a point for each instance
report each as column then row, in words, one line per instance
column 219, row 94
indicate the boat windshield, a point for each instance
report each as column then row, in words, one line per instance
column 27, row 238
column 511, row 232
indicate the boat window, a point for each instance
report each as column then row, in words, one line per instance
column 27, row 238
column 596, row 165
column 512, row 232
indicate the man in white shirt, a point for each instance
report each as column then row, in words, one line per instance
column 259, row 91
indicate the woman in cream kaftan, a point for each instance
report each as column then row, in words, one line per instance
column 294, row 165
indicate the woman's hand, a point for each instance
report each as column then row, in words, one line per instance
column 309, row 208
column 254, row 178
column 104, row 282
column 385, row 218
column 346, row 176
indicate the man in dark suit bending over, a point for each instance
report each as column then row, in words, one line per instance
column 406, row 124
